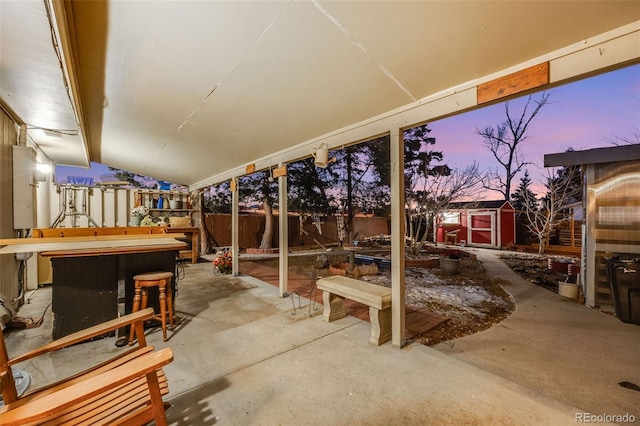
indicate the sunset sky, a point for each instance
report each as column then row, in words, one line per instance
column 586, row 114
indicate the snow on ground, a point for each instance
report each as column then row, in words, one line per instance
column 456, row 296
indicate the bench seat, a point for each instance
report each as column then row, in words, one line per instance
column 337, row 288
column 131, row 390
column 126, row 389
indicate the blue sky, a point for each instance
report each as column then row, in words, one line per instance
column 585, row 114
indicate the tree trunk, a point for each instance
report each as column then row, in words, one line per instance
column 267, row 236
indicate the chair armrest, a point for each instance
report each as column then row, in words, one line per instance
column 88, row 333
column 49, row 405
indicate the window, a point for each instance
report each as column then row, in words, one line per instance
column 451, row 218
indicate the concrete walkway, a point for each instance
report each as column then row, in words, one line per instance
column 557, row 347
column 242, row 358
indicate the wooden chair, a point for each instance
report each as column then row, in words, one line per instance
column 451, row 235
column 127, row 389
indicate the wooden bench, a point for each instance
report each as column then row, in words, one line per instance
column 126, row 389
column 337, row 288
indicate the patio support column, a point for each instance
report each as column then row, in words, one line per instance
column 283, row 235
column 396, row 141
column 235, row 196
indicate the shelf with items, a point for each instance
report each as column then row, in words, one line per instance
column 176, row 211
column 167, row 207
column 171, row 210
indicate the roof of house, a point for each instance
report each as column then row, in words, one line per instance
column 593, row 156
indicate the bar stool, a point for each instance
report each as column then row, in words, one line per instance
column 162, row 280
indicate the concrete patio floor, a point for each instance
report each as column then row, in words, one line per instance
column 242, row 358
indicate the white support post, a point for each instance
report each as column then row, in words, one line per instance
column 234, row 229
column 396, row 141
column 283, row 240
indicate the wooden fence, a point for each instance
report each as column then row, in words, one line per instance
column 567, row 238
column 303, row 230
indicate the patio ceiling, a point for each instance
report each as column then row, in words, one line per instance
column 192, row 92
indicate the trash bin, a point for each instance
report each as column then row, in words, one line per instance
column 624, row 279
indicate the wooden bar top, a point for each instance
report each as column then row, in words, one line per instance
column 106, row 251
column 91, row 244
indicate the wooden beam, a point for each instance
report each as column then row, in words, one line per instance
column 280, row 171
column 521, row 81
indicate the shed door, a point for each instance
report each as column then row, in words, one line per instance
column 482, row 228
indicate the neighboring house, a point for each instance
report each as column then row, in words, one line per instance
column 612, row 212
column 479, row 223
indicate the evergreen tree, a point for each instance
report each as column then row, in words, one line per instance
column 134, row 179
column 217, row 199
column 308, row 187
column 523, row 195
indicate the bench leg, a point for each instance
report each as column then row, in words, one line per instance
column 333, row 307
column 380, row 325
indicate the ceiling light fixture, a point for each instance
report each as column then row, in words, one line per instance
column 43, row 167
column 321, row 156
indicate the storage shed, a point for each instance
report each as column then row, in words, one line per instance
column 612, row 207
column 479, row 223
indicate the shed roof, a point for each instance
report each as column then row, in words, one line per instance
column 593, row 156
column 485, row 204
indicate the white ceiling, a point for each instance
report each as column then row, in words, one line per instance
column 191, row 92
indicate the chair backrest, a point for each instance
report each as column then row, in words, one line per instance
column 7, row 383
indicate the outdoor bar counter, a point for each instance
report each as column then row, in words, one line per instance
column 93, row 276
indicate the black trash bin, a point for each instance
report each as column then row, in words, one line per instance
column 624, row 279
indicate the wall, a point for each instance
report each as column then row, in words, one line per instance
column 613, row 223
column 501, row 233
column 8, row 264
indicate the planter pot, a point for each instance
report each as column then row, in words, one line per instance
column 568, row 290
column 449, row 266
column 221, row 271
column 431, row 262
column 135, row 221
column 573, row 269
column 558, row 265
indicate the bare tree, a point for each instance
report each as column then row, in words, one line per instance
column 437, row 191
column 543, row 214
column 505, row 142
column 632, row 139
